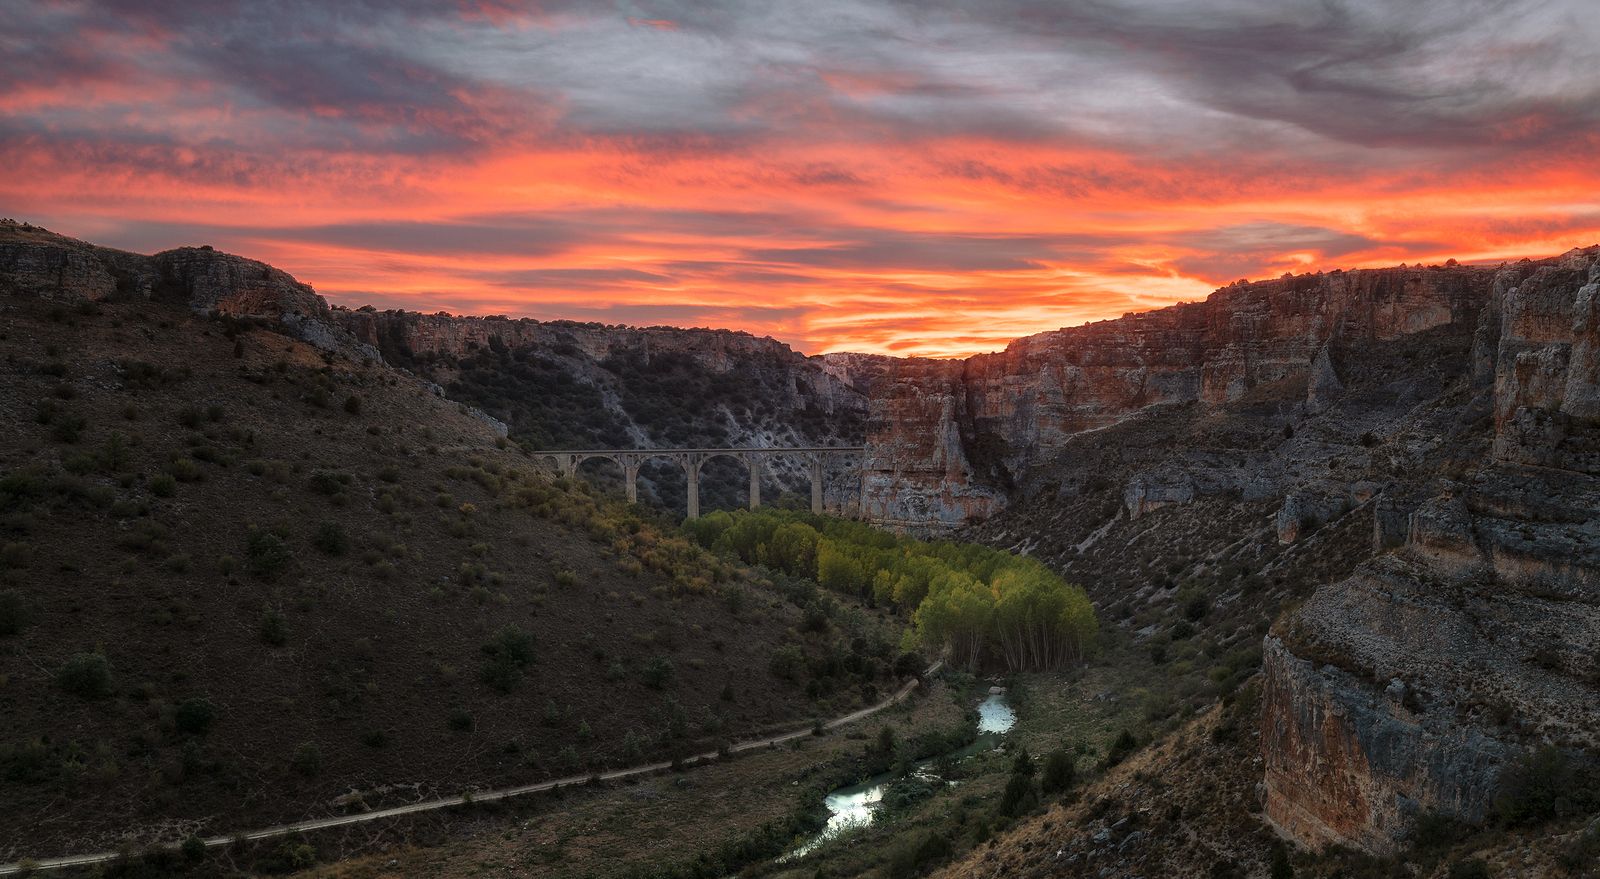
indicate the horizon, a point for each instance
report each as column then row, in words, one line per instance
column 1003, row 345
column 874, row 177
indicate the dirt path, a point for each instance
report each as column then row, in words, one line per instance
column 476, row 796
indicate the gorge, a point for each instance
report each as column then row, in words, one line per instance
column 1397, row 468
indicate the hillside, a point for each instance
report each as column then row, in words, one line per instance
column 252, row 573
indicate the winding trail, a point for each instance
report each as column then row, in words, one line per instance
column 506, row 793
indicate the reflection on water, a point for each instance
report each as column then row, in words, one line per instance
column 857, row 805
column 995, row 716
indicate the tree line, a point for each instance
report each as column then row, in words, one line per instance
column 978, row 603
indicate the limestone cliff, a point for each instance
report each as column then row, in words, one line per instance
column 562, row 384
column 1408, row 686
column 982, row 423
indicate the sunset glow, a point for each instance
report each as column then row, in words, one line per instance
column 916, row 178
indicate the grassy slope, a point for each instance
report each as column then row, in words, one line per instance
column 449, row 539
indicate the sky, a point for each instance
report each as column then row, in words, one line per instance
column 925, row 177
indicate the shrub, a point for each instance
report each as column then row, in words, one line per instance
column 658, row 673
column 15, row 554
column 86, row 675
column 1280, row 868
column 1546, row 783
column 14, row 616
column 509, row 653
column 185, row 470
column 330, row 538
column 266, row 555
column 1020, row 797
column 787, row 661
column 193, row 849
column 352, row 404
column 1123, row 745
column 1471, row 868
column 1059, row 772
column 163, row 485
column 195, row 715
column 460, row 720
column 307, row 759
column 274, row 629
column 328, row 482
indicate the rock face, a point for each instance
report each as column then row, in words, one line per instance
column 951, row 440
column 36, row 262
column 565, row 385
column 1483, row 621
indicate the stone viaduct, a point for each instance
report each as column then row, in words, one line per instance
column 630, row 460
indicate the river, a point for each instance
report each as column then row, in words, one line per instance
column 857, row 805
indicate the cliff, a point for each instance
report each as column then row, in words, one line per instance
column 1411, row 685
column 561, row 384
column 995, row 416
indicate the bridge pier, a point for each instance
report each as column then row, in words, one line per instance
column 692, row 468
column 755, row 481
column 630, row 478
column 816, row 484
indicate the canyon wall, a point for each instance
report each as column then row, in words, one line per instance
column 1410, row 686
column 950, row 440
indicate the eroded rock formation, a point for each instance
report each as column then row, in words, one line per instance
column 953, row 439
column 1483, row 622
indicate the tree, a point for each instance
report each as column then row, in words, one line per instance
column 1059, row 772
column 793, row 550
column 840, row 570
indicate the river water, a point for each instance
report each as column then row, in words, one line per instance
column 857, row 805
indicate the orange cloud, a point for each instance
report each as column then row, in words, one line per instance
column 872, row 203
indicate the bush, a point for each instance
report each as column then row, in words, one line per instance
column 86, row 675
column 163, row 485
column 1059, row 772
column 352, row 404
column 657, row 673
column 1471, row 868
column 509, row 653
column 307, row 759
column 328, row 482
column 266, row 555
column 1546, row 783
column 1020, row 797
column 274, row 629
column 195, row 715
column 460, row 720
column 1123, row 745
column 14, row 616
column 786, row 662
column 330, row 538
column 193, row 849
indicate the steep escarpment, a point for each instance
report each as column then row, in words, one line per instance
column 1412, row 685
column 987, row 421
column 570, row 385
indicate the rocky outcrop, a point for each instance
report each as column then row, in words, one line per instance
column 221, row 283
column 37, row 262
column 1350, row 763
column 917, row 472
column 1483, row 621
